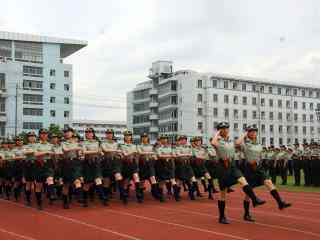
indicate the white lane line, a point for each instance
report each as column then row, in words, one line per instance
column 77, row 222
column 16, row 234
column 175, row 224
column 256, row 223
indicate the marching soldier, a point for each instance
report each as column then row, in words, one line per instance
column 306, row 164
column 91, row 170
column 211, row 164
column 57, row 157
column 297, row 162
column 18, row 167
column 274, row 163
column 7, row 157
column 147, row 158
column 129, row 168
column 314, row 164
column 254, row 171
column 284, row 157
column 228, row 174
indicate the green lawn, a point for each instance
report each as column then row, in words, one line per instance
column 292, row 188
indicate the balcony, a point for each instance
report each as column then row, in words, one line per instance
column 153, row 92
column 154, row 129
column 154, row 117
column 153, row 104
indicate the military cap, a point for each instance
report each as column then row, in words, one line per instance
column 222, row 125
column 87, row 130
column 109, row 130
column 43, row 131
column 31, row 134
column 68, row 129
column 251, row 128
column 182, row 137
column 127, row 133
column 144, row 135
column 164, row 136
column 54, row 135
column 18, row 138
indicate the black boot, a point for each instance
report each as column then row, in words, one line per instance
column 65, row 199
column 50, row 190
column 91, row 193
column 107, row 193
column 139, row 193
column 102, row 195
column 161, row 197
column 197, row 189
column 204, row 184
column 247, row 216
column 185, row 188
column 39, row 200
column 210, row 191
column 16, row 192
column 169, row 188
column 8, row 191
column 1, row 190
column 85, row 198
column 155, row 191
column 255, row 201
column 281, row 204
column 123, row 194
column 28, row 197
column 176, row 191
column 191, row 191
column 222, row 217
column 59, row 191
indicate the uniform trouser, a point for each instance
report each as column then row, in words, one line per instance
column 307, row 172
column 297, row 166
column 290, row 167
column 283, row 169
column 273, row 172
column 315, row 172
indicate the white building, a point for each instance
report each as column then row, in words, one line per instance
column 35, row 84
column 100, row 127
column 192, row 103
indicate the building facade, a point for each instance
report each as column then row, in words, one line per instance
column 192, row 103
column 100, row 127
column 35, row 84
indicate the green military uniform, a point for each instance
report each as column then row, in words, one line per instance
column 110, row 163
column 57, row 160
column 253, row 169
column 129, row 164
column 314, row 165
column 183, row 169
column 307, row 165
column 297, row 163
column 146, row 161
column 70, row 165
column 29, row 169
column 44, row 165
column 8, row 157
column 227, row 172
column 165, row 169
column 199, row 155
column 212, row 161
column 91, row 164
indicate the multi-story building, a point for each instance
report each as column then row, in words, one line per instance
column 192, row 103
column 100, row 127
column 35, row 84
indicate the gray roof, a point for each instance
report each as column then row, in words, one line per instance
column 68, row 46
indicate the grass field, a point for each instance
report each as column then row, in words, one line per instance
column 292, row 188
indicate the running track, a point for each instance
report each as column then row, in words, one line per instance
column 170, row 220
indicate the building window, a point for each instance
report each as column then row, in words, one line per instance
column 244, row 87
column 52, row 113
column 235, row 99
column 280, row 129
column 303, row 93
column 244, row 126
column 199, row 85
column 52, row 86
column 226, row 99
column 280, row 116
column 174, row 100
column 288, row 91
column 244, row 100
column 32, row 111
column 296, row 129
column 215, row 112
column 271, row 116
column 312, row 130
column 254, row 101
column 199, row 97
column 304, row 130
column 263, row 141
column 234, row 85
column 254, row 114
column 244, row 114
column 66, row 100
column 215, row 98
column 311, row 106
column 2, row 79
column 263, row 128
column 66, row 87
column 226, row 113
column 279, row 103
column 66, row 74
column 318, row 94
column 215, row 124
column 52, row 99
column 32, row 71
column 200, row 126
column 254, row 88
column 66, row 114
column 263, row 115
column 225, row 84
column 270, row 102
column 271, row 141
column 295, row 105
column 214, row 83
column 33, row 85
column 236, row 126
column 263, row 102
column 32, row 99
column 310, row 93
column 288, row 117
column 279, row 91
column 295, row 92
column 52, row 72
column 270, row 90
column 199, row 111
column 289, row 129
column 271, row 128
column 288, row 105
column 304, row 106
column 32, row 125
column 235, row 113
column 2, row 105
column 280, row 141
column 262, row 89
column 311, row 118
column 295, row 117
column 304, row 117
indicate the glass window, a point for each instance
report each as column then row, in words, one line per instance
column 295, row 92
column 262, row 102
column 200, row 111
column 279, row 103
column 304, row 106
column 235, row 99
column 199, row 85
column 280, row 116
column 32, row 111
column 32, row 71
column 279, row 91
column 66, row 100
column 226, row 99
column 199, row 97
column 254, row 101
column 66, row 114
column 28, row 51
column 234, row 85
column 295, row 105
column 270, row 115
column 226, row 84
column 226, row 113
column 52, row 99
column 32, row 99
column 52, row 86
column 244, row 100
column 32, row 125
column 270, row 90
column 52, row 113
column 254, row 114
column 288, row 105
column 66, row 87
column 215, row 112
column 52, row 72
column 215, row 97
column 200, row 125
column 214, row 83
column 244, row 114
column 66, row 73
column 235, row 113
column 254, row 88
column 271, row 102
column 244, row 87
column 5, row 48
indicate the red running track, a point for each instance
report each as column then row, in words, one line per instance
column 169, row 220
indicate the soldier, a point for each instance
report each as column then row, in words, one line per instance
column 18, row 167
column 198, row 163
column 254, row 171
column 29, row 173
column 297, row 162
column 183, row 168
column 283, row 164
column 129, row 168
column 91, row 167
column 70, row 166
column 314, row 171
column 211, row 164
column 165, row 167
column 57, row 158
column 274, row 163
column 228, row 174
column 147, row 158
column 316, row 166
column 110, row 163
column 43, row 167
column 306, row 164
column 7, row 157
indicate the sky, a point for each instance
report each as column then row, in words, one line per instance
column 273, row 39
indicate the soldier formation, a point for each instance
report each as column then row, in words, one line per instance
column 76, row 170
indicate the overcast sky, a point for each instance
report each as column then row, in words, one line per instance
column 276, row 39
